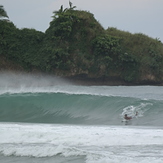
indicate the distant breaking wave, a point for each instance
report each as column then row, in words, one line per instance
column 47, row 99
column 66, row 108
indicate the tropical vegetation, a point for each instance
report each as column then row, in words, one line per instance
column 76, row 44
column 3, row 13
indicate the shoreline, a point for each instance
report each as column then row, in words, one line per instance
column 82, row 79
column 108, row 82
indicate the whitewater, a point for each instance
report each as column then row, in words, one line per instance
column 48, row 119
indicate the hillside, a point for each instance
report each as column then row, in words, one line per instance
column 77, row 47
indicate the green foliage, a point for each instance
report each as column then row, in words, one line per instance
column 147, row 51
column 106, row 45
column 8, row 33
column 20, row 46
column 3, row 13
column 30, row 41
column 73, row 31
column 75, row 43
column 62, row 23
column 129, row 66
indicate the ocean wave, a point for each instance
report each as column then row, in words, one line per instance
column 78, row 109
column 93, row 142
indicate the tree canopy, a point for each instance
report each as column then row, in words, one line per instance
column 75, row 43
column 3, row 13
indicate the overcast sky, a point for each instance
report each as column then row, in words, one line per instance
column 135, row 16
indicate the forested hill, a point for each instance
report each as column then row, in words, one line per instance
column 75, row 44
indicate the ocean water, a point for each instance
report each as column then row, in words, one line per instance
column 45, row 119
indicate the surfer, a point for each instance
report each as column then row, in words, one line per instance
column 129, row 118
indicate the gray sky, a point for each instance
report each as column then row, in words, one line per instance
column 135, row 16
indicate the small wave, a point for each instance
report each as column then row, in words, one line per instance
column 93, row 142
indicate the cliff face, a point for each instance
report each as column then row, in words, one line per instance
column 76, row 46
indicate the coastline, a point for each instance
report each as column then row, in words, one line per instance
column 81, row 79
column 108, row 81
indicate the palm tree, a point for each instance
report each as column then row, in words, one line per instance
column 61, row 10
column 71, row 7
column 58, row 12
column 3, row 13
